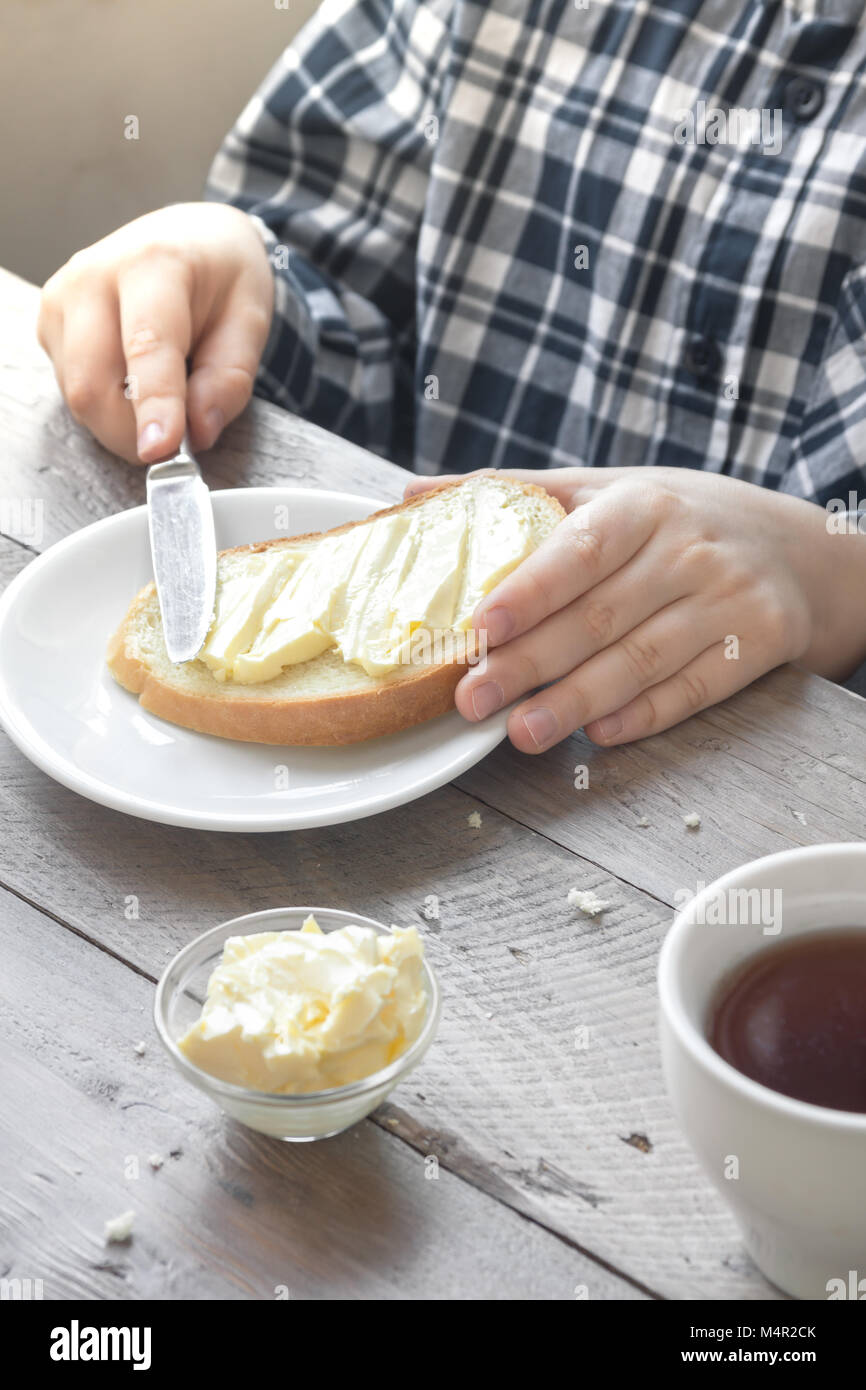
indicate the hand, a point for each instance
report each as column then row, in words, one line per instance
column 662, row 592
column 121, row 318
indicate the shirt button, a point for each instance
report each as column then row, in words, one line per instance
column 803, row 98
column 702, row 357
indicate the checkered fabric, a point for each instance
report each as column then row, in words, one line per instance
column 547, row 232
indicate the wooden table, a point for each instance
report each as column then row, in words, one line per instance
column 560, row 1171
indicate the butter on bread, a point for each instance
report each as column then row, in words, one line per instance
column 331, row 676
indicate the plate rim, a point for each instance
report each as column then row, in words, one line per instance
column 33, row 746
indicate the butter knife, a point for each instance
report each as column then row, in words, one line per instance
column 183, row 546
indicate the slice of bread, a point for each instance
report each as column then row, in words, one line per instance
column 323, row 701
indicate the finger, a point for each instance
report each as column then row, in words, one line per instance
column 155, row 330
column 91, row 370
column 49, row 323
column 224, row 366
column 584, row 549
column 708, row 678
column 569, row 637
column 648, row 655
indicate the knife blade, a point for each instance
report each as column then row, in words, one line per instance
column 183, row 547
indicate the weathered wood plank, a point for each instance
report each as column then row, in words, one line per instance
column 781, row 764
column 13, row 559
column 508, row 1097
column 230, row 1214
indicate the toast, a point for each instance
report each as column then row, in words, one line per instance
column 326, row 700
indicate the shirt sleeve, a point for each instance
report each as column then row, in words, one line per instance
column 828, row 456
column 331, row 157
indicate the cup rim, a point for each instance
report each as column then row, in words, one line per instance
column 294, row 1099
column 691, row 1037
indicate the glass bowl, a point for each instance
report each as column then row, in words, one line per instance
column 315, row 1114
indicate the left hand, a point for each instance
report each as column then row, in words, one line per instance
column 662, row 592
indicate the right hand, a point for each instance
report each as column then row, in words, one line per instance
column 121, row 318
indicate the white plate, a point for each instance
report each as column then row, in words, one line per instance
column 63, row 709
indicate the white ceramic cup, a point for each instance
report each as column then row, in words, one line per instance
column 794, row 1173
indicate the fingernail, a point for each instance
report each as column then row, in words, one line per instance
column 150, row 436
column 609, row 727
column 542, row 726
column 486, row 698
column 499, row 624
column 214, row 423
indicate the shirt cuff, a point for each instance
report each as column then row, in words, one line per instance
column 281, row 345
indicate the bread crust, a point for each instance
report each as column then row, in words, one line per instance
column 324, row 721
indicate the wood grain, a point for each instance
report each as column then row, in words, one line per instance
column 507, row 1097
column 781, row 764
column 230, row 1214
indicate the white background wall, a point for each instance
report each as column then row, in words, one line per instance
column 72, row 70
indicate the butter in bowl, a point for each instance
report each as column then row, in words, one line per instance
column 298, row 1022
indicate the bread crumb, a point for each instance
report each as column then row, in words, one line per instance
column 798, row 815
column 141, row 1048
column 692, row 821
column 643, row 822
column 588, row 902
column 431, row 907
column 119, row 1228
column 474, row 819
column 156, row 1161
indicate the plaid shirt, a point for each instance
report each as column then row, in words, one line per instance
column 532, row 234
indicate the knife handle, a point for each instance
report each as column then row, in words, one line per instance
column 183, row 465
